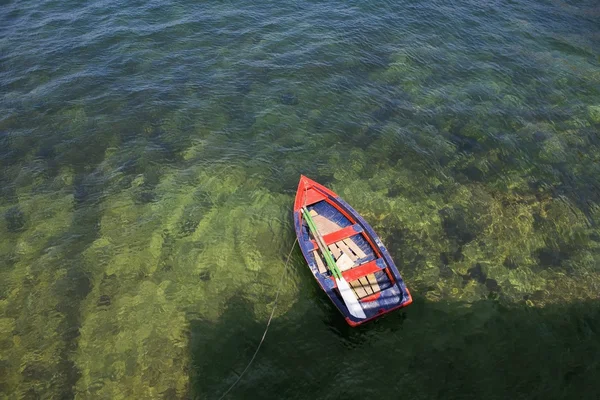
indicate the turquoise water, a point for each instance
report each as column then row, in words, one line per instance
column 150, row 153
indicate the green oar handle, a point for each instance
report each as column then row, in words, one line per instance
column 321, row 243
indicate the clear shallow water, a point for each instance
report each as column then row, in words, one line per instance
column 150, row 153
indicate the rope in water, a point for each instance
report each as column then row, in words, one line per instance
column 268, row 323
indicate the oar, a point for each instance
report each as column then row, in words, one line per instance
column 345, row 290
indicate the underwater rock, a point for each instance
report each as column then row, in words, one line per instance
column 455, row 225
column 539, row 136
column 476, row 273
column 170, row 393
column 46, row 151
column 458, row 254
column 145, row 197
column 444, row 259
column 445, row 271
column 465, row 144
column 104, row 300
column 492, row 285
column 71, row 334
column 80, row 194
column 288, row 99
column 510, row 263
column 537, row 295
column 36, row 372
column 551, row 257
column 204, row 276
column 385, row 112
column 15, row 219
column 473, row 173
column 187, row 227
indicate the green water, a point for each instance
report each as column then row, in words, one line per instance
column 150, row 153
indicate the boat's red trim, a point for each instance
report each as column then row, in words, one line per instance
column 312, row 197
column 342, row 234
column 362, row 270
column 310, row 192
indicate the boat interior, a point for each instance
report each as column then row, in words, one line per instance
column 351, row 251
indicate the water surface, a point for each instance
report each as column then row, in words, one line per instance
column 149, row 157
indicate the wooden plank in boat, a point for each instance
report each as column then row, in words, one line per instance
column 324, row 225
column 335, row 251
column 319, row 261
column 363, row 287
column 359, row 289
column 354, row 247
column 346, row 250
column 373, row 283
column 344, row 262
column 365, row 282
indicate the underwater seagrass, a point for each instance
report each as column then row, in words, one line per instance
column 136, row 317
column 36, row 320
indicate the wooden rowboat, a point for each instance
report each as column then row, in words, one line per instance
column 363, row 260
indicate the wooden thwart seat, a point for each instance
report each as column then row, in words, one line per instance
column 363, row 285
column 342, row 234
column 363, row 270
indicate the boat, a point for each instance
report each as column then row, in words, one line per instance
column 326, row 223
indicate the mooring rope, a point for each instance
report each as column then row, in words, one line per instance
column 268, row 323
